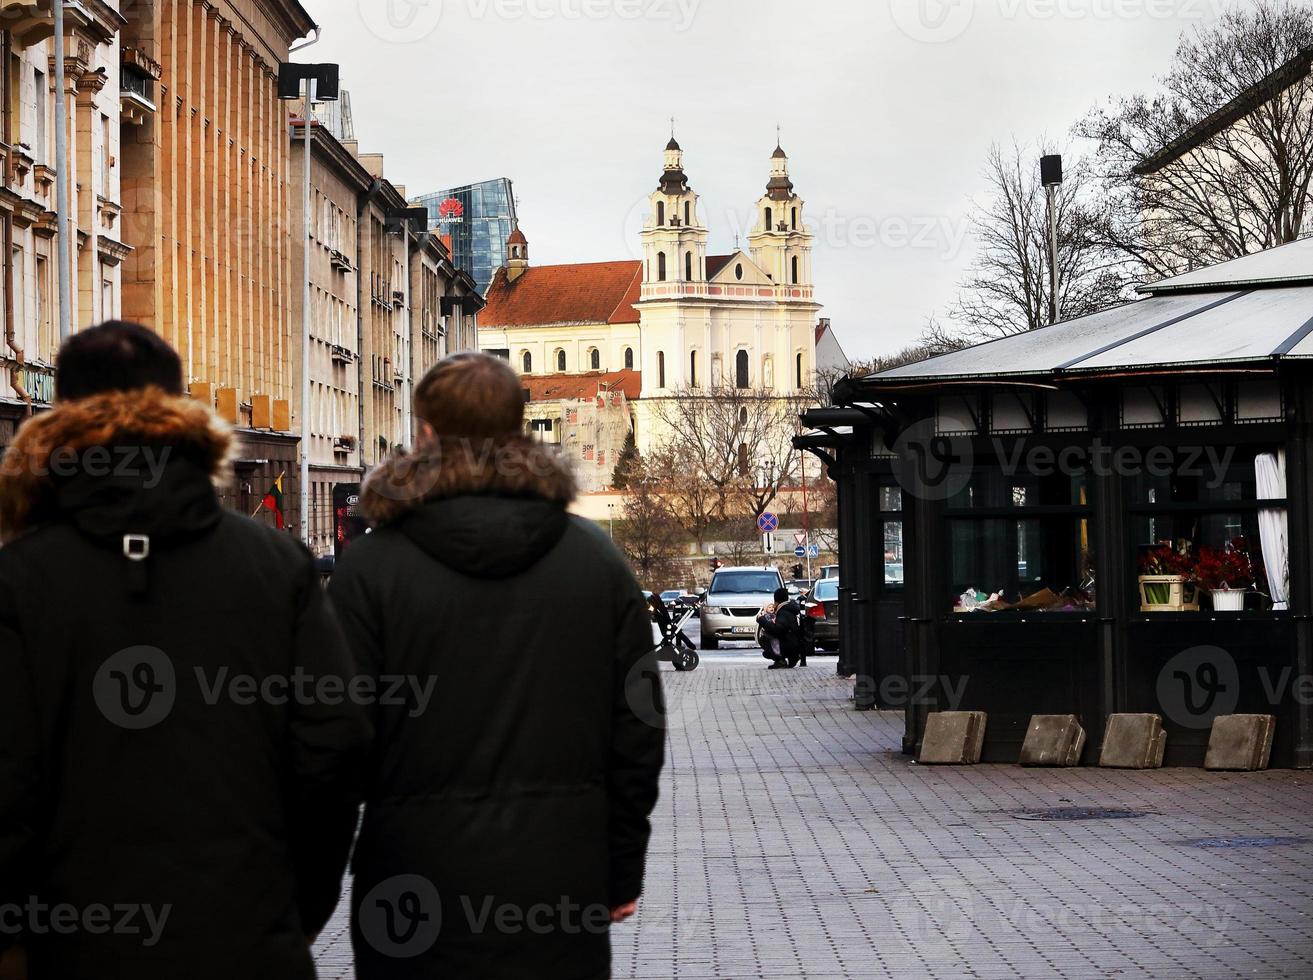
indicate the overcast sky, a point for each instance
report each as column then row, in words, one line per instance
column 888, row 109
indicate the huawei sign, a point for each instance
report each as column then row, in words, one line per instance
column 451, row 210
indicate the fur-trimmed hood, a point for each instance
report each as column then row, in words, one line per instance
column 514, row 466
column 140, row 430
column 489, row 508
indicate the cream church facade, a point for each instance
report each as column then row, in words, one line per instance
column 679, row 318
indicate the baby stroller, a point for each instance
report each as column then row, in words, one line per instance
column 675, row 648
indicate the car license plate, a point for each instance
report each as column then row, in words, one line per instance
column 744, row 631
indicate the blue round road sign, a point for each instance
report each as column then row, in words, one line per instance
column 800, row 552
column 768, row 523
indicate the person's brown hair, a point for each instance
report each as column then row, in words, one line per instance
column 471, row 394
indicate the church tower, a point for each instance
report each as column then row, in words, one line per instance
column 517, row 254
column 780, row 242
column 674, row 239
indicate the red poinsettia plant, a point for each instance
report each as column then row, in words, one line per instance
column 1166, row 561
column 1225, row 569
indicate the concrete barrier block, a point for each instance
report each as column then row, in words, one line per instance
column 1053, row 740
column 1240, row 743
column 1133, row 741
column 953, row 738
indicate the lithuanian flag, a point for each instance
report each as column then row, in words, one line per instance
column 273, row 502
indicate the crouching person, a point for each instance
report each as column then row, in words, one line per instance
column 173, row 802
column 506, row 820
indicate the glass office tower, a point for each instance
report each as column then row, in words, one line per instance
column 479, row 218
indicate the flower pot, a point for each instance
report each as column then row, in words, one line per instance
column 1228, row 600
column 1168, row 593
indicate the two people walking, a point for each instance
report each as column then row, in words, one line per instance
column 189, row 725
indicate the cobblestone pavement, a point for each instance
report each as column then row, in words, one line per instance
column 794, row 840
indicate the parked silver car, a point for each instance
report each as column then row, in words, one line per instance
column 735, row 598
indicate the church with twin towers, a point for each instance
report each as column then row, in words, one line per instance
column 678, row 319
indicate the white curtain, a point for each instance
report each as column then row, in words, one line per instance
column 1273, row 532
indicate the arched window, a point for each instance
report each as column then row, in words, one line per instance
column 661, row 266
column 528, row 363
column 743, row 416
column 595, row 359
column 661, row 212
column 688, row 266
column 560, row 360
column 793, row 218
column 741, row 370
column 688, row 212
column 661, row 369
column 693, row 368
column 795, row 270
column 769, row 218
column 799, row 383
column 629, row 358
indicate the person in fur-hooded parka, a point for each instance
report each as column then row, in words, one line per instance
column 168, row 807
column 506, row 819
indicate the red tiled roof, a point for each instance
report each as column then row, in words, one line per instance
column 573, row 387
column 586, row 292
column 715, row 263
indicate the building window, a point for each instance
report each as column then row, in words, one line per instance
column 661, row 369
column 560, row 360
column 795, row 270
column 661, row 266
column 798, row 382
column 770, row 215
column 741, row 370
column 629, row 358
column 738, row 271
column 661, row 213
column 793, row 218
column 688, row 266
column 595, row 359
column 528, row 363
column 693, row 368
column 688, row 212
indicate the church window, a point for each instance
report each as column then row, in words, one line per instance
column 661, row 369
column 688, row 266
column 560, row 360
column 688, row 212
column 629, row 358
column 799, row 384
column 769, row 216
column 793, row 218
column 738, row 271
column 741, row 370
column 661, row 212
column 661, row 266
column 795, row 270
column 595, row 359
column 693, row 368
column 528, row 363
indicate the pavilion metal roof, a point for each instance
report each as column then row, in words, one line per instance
column 1255, row 309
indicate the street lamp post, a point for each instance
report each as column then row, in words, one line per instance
column 1050, row 170
column 320, row 83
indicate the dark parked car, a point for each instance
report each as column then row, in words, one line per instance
column 824, row 611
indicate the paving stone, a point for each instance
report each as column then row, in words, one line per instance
column 953, row 738
column 794, row 840
column 1240, row 742
column 1053, row 740
column 1133, row 741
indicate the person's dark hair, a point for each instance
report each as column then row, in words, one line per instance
column 471, row 394
column 781, row 595
column 116, row 356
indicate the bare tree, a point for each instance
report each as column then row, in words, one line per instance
column 1218, row 163
column 731, row 452
column 1008, row 288
column 648, row 535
